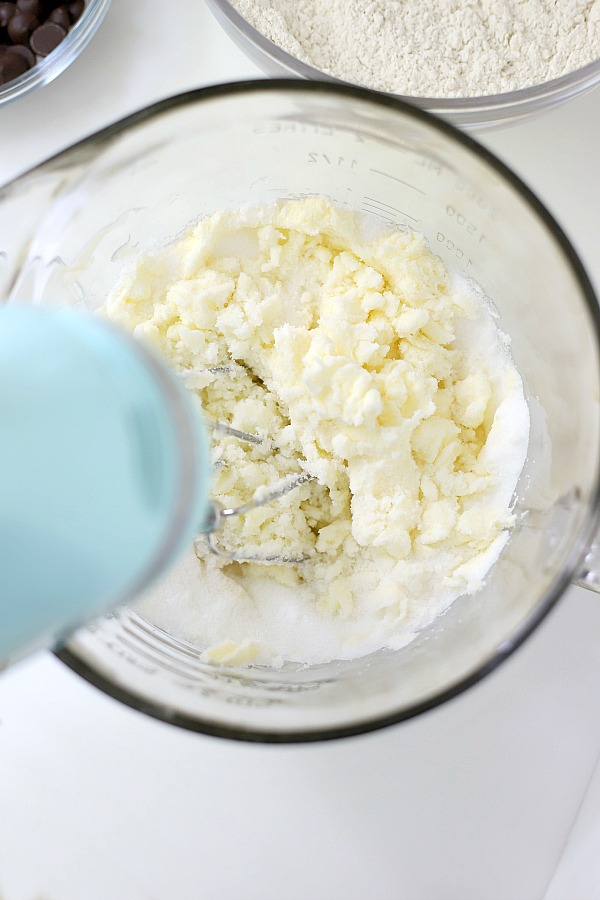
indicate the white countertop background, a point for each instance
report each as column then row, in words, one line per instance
column 495, row 796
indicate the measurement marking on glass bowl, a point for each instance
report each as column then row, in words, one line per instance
column 399, row 180
column 372, row 205
column 161, row 652
column 340, row 161
column 473, row 195
column 432, row 165
column 291, row 127
column 458, row 252
column 470, row 227
column 123, row 652
column 179, row 667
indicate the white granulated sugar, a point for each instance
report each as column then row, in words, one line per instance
column 444, row 48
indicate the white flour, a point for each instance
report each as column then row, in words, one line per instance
column 445, row 48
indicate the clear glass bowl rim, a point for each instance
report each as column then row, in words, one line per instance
column 591, row 524
column 501, row 107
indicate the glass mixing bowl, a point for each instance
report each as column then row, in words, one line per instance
column 67, row 51
column 69, row 226
column 481, row 113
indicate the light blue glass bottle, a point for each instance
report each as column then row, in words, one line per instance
column 104, row 472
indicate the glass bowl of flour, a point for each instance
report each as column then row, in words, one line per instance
column 360, row 287
column 477, row 66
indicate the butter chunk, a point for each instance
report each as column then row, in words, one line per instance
column 472, row 395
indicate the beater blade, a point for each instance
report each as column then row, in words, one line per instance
column 219, row 514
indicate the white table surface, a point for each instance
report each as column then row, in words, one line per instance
column 493, row 796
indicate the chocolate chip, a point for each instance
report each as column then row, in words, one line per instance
column 11, row 66
column 30, row 6
column 46, row 38
column 20, row 27
column 24, row 52
column 61, row 17
column 75, row 9
column 7, row 11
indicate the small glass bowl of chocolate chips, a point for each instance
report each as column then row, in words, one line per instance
column 40, row 38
